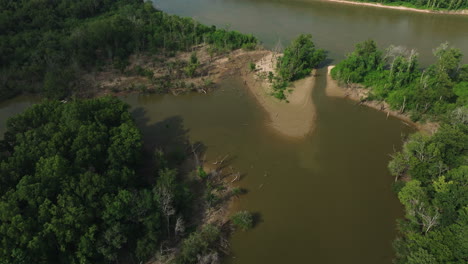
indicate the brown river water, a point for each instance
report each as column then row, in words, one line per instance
column 322, row 199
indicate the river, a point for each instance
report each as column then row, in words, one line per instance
column 335, row 27
column 323, row 199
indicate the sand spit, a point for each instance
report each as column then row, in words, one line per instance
column 454, row 12
column 294, row 118
column 359, row 94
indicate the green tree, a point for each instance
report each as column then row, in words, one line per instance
column 68, row 175
column 243, row 220
column 299, row 58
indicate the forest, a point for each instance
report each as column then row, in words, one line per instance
column 431, row 172
column 45, row 45
column 394, row 75
column 432, row 184
column 76, row 186
column 426, row 4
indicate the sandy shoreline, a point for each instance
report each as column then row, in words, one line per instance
column 358, row 94
column 295, row 118
column 454, row 12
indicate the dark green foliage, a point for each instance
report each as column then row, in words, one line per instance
column 436, row 197
column 299, row 59
column 201, row 173
column 199, row 244
column 252, row 66
column 297, row 62
column 243, row 220
column 44, row 44
column 426, row 4
column 192, row 65
column 394, row 76
column 70, row 191
column 361, row 62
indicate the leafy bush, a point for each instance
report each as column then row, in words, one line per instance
column 393, row 75
column 299, row 59
column 243, row 220
column 51, row 36
column 252, row 66
column 199, row 243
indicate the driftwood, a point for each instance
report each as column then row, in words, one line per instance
column 222, row 161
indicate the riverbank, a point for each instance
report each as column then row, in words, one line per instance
column 295, row 117
column 359, row 94
column 446, row 12
column 147, row 73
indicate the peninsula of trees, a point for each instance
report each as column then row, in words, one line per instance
column 431, row 172
column 46, row 45
column 394, row 75
column 74, row 181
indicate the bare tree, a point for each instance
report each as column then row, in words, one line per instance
column 210, row 258
column 167, row 207
column 179, row 226
column 428, row 220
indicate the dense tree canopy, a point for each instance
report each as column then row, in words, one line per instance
column 45, row 44
column 70, row 191
column 393, row 75
column 299, row 58
column 435, row 228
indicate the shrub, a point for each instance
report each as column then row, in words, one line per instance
column 242, row 220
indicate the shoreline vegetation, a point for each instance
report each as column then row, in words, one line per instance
column 431, row 171
column 152, row 206
column 402, row 7
column 76, row 172
column 358, row 93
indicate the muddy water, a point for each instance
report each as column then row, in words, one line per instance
column 334, row 26
column 325, row 198
column 322, row 199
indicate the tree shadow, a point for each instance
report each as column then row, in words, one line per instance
column 167, row 135
column 325, row 63
column 257, row 219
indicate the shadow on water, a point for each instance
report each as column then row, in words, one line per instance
column 167, row 135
